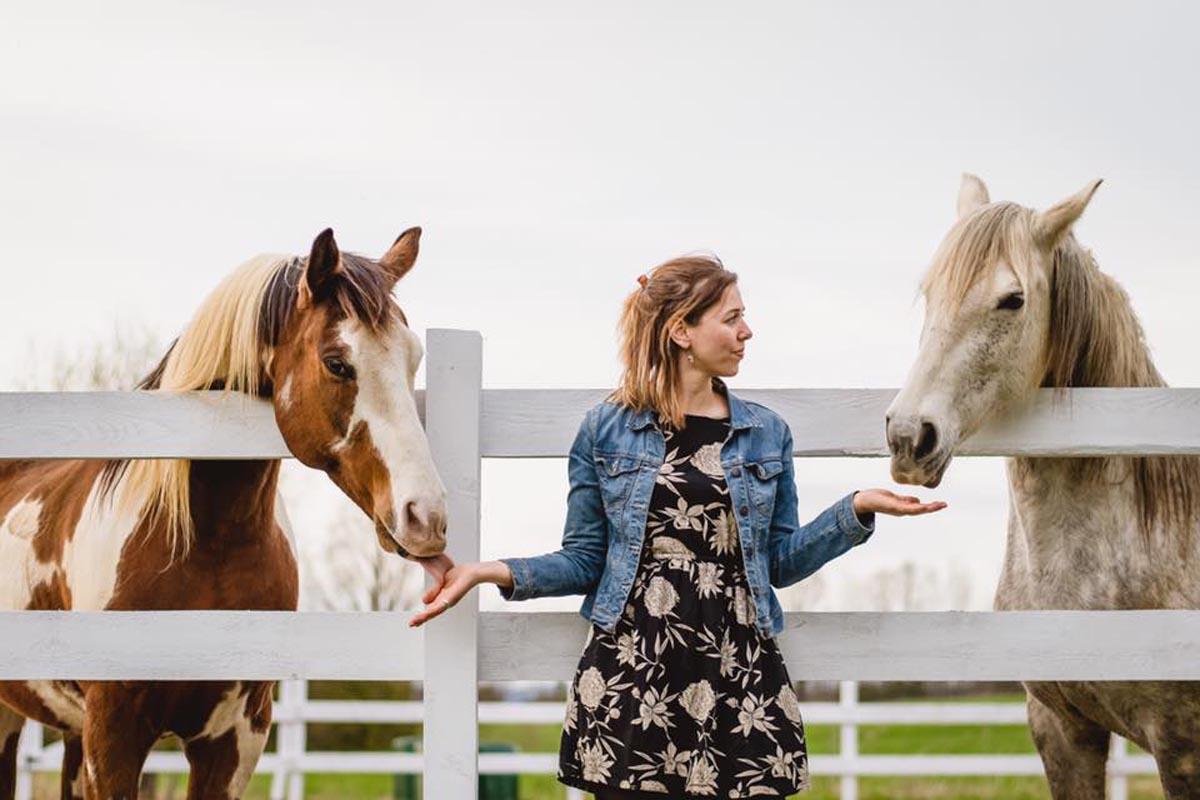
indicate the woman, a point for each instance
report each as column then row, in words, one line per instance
column 681, row 516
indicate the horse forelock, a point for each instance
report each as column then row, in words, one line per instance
column 995, row 233
column 362, row 291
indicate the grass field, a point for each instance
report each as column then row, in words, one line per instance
column 823, row 740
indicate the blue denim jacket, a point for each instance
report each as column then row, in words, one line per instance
column 612, row 467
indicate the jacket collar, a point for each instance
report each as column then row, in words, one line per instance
column 741, row 416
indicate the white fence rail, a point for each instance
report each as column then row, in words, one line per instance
column 466, row 424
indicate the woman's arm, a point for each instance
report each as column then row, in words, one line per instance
column 798, row 551
column 575, row 568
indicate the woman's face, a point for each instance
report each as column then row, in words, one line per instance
column 718, row 341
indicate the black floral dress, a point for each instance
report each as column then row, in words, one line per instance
column 686, row 697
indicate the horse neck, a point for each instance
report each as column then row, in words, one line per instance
column 1083, row 522
column 233, row 500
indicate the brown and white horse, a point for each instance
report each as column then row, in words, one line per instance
column 1014, row 303
column 324, row 340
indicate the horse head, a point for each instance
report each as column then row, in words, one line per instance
column 343, row 361
column 986, row 343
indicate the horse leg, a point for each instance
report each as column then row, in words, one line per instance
column 1174, row 747
column 116, row 741
column 72, row 767
column 10, row 734
column 222, row 760
column 1074, row 752
column 1177, row 771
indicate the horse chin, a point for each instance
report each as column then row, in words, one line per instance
column 389, row 543
column 928, row 474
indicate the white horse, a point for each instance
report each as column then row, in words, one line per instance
column 1014, row 303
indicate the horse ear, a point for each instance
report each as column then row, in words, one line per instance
column 1050, row 225
column 972, row 194
column 324, row 263
column 401, row 256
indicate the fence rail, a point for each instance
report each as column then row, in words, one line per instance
column 465, row 424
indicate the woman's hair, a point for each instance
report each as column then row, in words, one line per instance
column 681, row 289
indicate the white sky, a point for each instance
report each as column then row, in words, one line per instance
column 554, row 153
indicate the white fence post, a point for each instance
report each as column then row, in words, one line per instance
column 29, row 747
column 287, row 781
column 1119, row 783
column 453, row 406
column 298, row 738
column 848, row 700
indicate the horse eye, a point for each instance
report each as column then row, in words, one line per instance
column 339, row 368
column 1012, row 302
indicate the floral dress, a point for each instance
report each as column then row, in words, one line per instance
column 686, row 697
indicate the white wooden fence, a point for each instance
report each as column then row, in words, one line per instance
column 466, row 424
column 290, row 761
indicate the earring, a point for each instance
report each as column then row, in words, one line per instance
column 689, row 355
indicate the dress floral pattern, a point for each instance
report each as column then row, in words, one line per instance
column 686, row 697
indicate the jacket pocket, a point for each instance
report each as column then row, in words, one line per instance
column 616, row 474
column 764, row 481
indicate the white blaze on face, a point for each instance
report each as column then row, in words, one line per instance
column 386, row 366
column 91, row 555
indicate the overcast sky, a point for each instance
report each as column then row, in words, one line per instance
column 554, row 153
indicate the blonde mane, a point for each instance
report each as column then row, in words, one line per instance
column 221, row 347
column 1095, row 339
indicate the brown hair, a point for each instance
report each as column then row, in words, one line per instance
column 679, row 290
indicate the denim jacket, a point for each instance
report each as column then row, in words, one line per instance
column 613, row 464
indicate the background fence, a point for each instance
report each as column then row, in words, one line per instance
column 294, row 711
column 466, row 424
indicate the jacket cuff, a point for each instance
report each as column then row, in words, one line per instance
column 854, row 528
column 522, row 575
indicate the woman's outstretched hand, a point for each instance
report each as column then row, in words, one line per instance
column 452, row 581
column 882, row 501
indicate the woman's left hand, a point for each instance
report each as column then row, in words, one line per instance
column 869, row 501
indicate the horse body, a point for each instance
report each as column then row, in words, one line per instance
column 1014, row 303
column 1077, row 544
column 91, row 535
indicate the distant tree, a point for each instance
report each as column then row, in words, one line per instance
column 351, row 572
column 105, row 363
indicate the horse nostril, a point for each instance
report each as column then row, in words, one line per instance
column 927, row 442
column 411, row 518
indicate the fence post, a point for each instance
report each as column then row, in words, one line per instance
column 453, row 406
column 29, row 747
column 287, row 781
column 298, row 728
column 848, row 700
column 1119, row 783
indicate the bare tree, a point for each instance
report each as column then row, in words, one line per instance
column 351, row 572
column 104, row 363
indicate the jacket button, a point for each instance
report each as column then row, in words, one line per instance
column 743, row 511
column 735, row 471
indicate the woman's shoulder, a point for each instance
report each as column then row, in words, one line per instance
column 761, row 416
column 612, row 426
column 608, row 414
